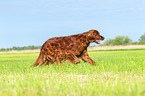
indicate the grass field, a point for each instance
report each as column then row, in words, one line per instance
column 119, row 73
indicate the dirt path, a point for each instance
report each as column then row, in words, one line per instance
column 22, row 51
column 117, row 47
column 90, row 48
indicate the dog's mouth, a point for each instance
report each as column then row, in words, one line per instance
column 97, row 41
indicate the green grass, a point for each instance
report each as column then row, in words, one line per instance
column 119, row 73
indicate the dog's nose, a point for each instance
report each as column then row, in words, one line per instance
column 103, row 38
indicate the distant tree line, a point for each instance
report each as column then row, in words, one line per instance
column 21, row 48
column 124, row 40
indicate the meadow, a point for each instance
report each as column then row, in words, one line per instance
column 118, row 73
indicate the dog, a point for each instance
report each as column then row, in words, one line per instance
column 68, row 48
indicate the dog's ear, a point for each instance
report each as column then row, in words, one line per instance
column 91, row 33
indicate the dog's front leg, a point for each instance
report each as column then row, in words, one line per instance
column 88, row 59
column 85, row 57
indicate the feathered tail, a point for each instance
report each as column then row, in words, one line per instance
column 39, row 60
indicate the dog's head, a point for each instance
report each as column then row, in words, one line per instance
column 94, row 36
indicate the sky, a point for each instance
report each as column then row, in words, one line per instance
column 32, row 22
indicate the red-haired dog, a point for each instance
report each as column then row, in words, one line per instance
column 69, row 48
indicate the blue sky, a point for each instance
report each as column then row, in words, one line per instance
column 32, row 22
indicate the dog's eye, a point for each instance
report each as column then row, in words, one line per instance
column 95, row 33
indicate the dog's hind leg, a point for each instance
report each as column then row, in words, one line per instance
column 48, row 60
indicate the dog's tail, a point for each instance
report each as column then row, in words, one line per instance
column 39, row 60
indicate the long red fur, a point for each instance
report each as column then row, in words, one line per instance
column 69, row 48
